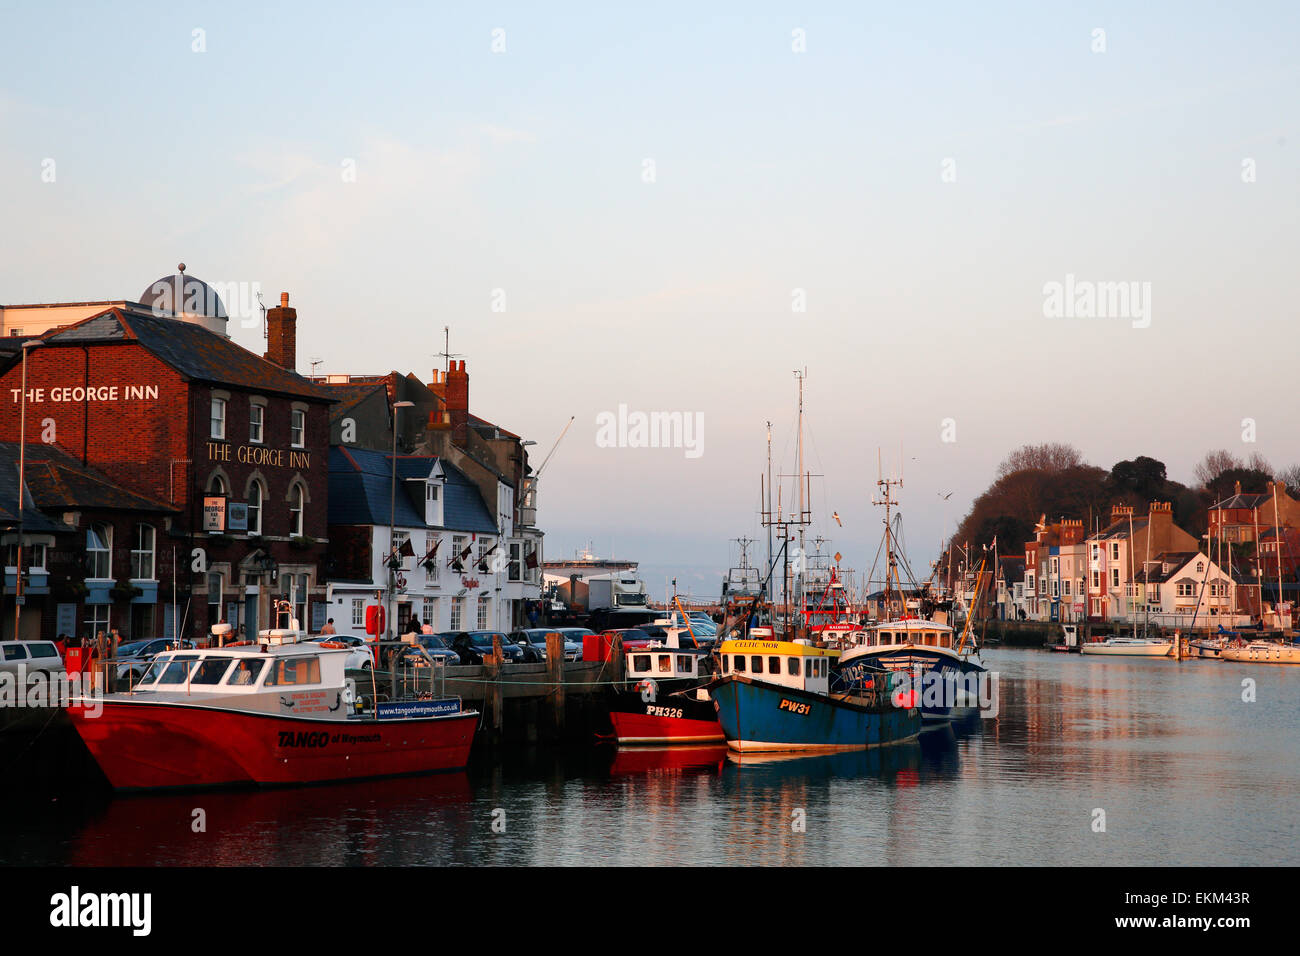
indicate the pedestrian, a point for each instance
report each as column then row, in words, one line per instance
column 329, row 627
column 532, row 614
column 61, row 643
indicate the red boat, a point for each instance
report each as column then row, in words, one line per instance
column 664, row 700
column 278, row 712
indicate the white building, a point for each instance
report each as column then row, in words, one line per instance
column 446, row 558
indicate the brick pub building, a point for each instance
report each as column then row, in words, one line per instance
column 212, row 453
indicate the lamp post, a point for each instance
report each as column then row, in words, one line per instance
column 392, row 517
column 22, row 475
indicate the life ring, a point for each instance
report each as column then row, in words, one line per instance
column 333, row 645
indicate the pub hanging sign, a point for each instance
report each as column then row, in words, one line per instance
column 214, row 513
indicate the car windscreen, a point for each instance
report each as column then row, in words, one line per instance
column 132, row 648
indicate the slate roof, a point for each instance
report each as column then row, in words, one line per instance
column 1243, row 501
column 33, row 520
column 192, row 350
column 361, row 492
column 58, row 481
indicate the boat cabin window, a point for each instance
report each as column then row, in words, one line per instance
column 774, row 665
column 211, row 670
column 294, row 670
column 792, row 666
column 665, row 663
column 641, row 663
column 886, row 638
column 931, row 638
column 177, row 669
column 684, row 662
column 246, row 673
column 740, row 663
column 726, row 663
column 756, row 664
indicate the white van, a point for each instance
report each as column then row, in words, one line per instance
column 34, row 656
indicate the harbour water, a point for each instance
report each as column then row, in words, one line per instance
column 1185, row 771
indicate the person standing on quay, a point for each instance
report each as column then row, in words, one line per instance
column 329, row 627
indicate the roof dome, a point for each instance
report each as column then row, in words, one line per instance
column 181, row 295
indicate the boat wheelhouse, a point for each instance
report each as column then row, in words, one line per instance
column 776, row 696
column 663, row 699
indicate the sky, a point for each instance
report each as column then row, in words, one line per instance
column 672, row 209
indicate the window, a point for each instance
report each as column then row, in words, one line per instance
column 16, row 333
column 217, row 485
column 1200, row 567
column 516, row 567
column 142, row 553
column 792, row 666
column 358, row 612
column 218, row 426
column 432, row 503
column 1066, row 585
column 430, row 615
column 484, row 611
column 177, row 671
column 297, row 428
column 740, row 663
column 1184, row 590
column 641, row 663
column 297, row 670
column 756, row 664
column 99, row 551
column 457, row 611
column 256, row 413
column 295, row 510
column 457, row 546
column 1114, row 551
column 1096, row 580
column 774, row 665
column 1114, row 577
column 246, row 673
column 431, row 570
column 684, row 664
column 665, row 663
column 256, row 495
column 211, row 670
column 396, row 540
column 96, row 618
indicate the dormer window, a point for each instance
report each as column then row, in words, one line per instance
column 433, row 503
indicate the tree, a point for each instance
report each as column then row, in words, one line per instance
column 1143, row 476
column 1213, row 465
column 1291, row 477
column 1049, row 457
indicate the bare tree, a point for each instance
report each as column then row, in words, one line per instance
column 1213, row 465
column 1049, row 457
column 1291, row 476
column 1257, row 462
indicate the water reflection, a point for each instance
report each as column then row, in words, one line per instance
column 1186, row 771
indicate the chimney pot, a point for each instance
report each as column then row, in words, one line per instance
column 284, row 300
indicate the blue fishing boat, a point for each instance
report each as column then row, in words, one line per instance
column 775, row 696
column 927, row 651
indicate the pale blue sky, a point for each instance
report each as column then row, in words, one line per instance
column 776, row 170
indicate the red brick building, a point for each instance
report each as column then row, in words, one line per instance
column 231, row 450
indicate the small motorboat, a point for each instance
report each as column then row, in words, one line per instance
column 1069, row 643
column 1263, row 652
column 274, row 712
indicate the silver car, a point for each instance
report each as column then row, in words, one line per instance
column 33, row 656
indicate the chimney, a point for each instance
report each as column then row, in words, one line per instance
column 1160, row 526
column 1120, row 512
column 282, row 335
column 1236, row 487
column 456, row 394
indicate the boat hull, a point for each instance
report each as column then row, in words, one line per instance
column 671, row 719
column 1161, row 649
column 1263, row 653
column 757, row 717
column 857, row 669
column 151, row 746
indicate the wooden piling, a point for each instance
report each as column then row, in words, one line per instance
column 555, row 676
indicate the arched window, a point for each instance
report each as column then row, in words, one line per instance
column 296, row 500
column 256, row 495
column 99, row 551
column 142, row 554
column 217, row 485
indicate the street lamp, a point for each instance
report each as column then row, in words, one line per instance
column 22, row 468
column 392, row 515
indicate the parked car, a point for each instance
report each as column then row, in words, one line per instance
column 435, row 646
column 34, row 656
column 578, row 635
column 534, row 653
column 134, row 657
column 472, row 646
column 360, row 655
column 632, row 636
column 535, row 638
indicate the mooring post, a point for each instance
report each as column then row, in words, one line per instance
column 555, row 675
column 493, row 691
